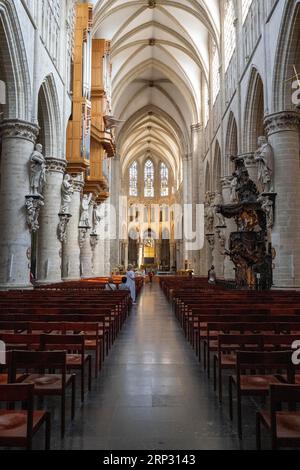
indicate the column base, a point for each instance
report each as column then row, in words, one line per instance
column 50, row 281
column 6, row 287
column 70, row 279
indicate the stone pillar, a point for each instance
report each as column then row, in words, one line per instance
column 86, row 252
column 107, row 259
column 218, row 257
column 49, row 247
column 197, row 178
column 229, row 272
column 251, row 166
column 71, row 249
column 95, row 240
column 187, row 200
column 172, row 254
column 116, row 177
column 210, row 246
column 141, row 254
column 283, row 134
column 126, row 254
column 158, row 250
column 18, row 138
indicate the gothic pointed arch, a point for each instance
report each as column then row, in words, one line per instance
column 14, row 70
column 287, row 59
column 49, row 118
column 254, row 112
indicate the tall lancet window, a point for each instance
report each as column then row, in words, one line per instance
column 149, row 179
column 246, row 4
column 133, row 180
column 229, row 31
column 164, row 180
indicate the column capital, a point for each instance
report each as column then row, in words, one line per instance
column 281, row 122
column 78, row 183
column 198, row 127
column 18, row 129
column 56, row 165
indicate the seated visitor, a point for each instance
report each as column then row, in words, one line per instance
column 212, row 277
column 110, row 285
column 124, row 285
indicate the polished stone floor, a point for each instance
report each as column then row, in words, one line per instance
column 152, row 393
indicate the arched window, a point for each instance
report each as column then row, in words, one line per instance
column 164, row 180
column 149, row 179
column 133, row 180
column 229, row 31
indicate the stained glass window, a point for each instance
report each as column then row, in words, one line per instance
column 164, row 180
column 133, row 180
column 215, row 73
column 149, row 179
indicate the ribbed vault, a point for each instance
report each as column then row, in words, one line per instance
column 160, row 61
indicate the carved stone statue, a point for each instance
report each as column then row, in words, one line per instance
column 67, row 191
column 85, row 217
column 210, row 212
column 96, row 218
column 37, row 170
column 264, row 156
column 268, row 208
column 217, row 204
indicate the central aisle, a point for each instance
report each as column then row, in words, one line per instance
column 152, row 393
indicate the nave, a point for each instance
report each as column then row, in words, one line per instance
column 152, row 393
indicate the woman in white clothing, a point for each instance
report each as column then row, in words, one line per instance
column 131, row 282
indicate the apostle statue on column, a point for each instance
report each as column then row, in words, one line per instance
column 85, row 216
column 264, row 156
column 96, row 218
column 67, row 191
column 37, row 170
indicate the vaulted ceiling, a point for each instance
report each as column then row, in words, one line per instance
column 160, row 56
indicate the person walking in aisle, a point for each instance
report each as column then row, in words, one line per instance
column 131, row 283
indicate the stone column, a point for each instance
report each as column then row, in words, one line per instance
column 107, row 260
column 126, row 254
column 283, row 134
column 187, row 198
column 141, row 254
column 116, row 177
column 158, row 250
column 86, row 252
column 251, row 166
column 197, row 184
column 49, row 247
column 95, row 240
column 218, row 257
column 172, row 254
column 71, row 249
column 18, row 138
column 229, row 272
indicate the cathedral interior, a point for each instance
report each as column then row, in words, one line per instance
column 150, row 210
